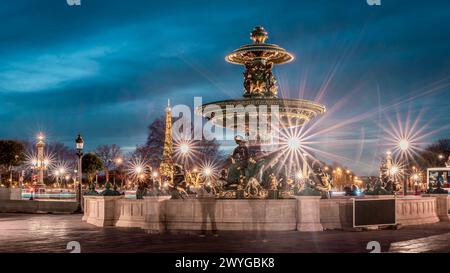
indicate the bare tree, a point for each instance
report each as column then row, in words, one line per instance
column 433, row 155
column 146, row 154
column 108, row 154
column 153, row 149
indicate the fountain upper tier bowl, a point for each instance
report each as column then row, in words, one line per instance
column 291, row 112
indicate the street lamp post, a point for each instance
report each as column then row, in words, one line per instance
column 79, row 143
column 139, row 170
column 56, row 173
column 404, row 146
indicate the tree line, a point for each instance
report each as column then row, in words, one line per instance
column 14, row 155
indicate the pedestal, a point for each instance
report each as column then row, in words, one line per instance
column 100, row 210
column 10, row 194
column 442, row 206
column 308, row 213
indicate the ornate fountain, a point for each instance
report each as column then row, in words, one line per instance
column 249, row 171
column 260, row 87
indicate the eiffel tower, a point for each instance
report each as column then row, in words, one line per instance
column 166, row 166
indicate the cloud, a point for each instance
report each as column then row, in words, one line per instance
column 106, row 68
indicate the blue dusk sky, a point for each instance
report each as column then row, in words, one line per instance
column 106, row 68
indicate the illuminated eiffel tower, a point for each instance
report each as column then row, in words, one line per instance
column 166, row 166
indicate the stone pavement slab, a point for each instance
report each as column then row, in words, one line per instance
column 51, row 233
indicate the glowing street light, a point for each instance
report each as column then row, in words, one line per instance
column 67, row 178
column 119, row 161
column 403, row 144
column 139, row 172
column 184, row 148
column 138, row 169
column 57, row 175
column 294, row 143
column 207, row 171
column 40, row 136
column 394, row 170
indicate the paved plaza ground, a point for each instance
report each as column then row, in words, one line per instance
column 51, row 233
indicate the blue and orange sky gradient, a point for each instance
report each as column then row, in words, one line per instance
column 106, row 68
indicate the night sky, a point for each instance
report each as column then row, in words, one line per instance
column 106, row 68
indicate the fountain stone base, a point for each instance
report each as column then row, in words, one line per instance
column 158, row 214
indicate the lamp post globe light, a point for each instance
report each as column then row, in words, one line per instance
column 79, row 144
column 117, row 162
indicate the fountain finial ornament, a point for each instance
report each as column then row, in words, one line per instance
column 258, row 59
column 259, row 35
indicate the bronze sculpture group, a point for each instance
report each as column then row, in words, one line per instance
column 246, row 176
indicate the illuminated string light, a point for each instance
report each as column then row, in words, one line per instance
column 394, row 170
column 186, row 152
column 209, row 169
column 184, row 148
column 294, row 143
column 137, row 168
